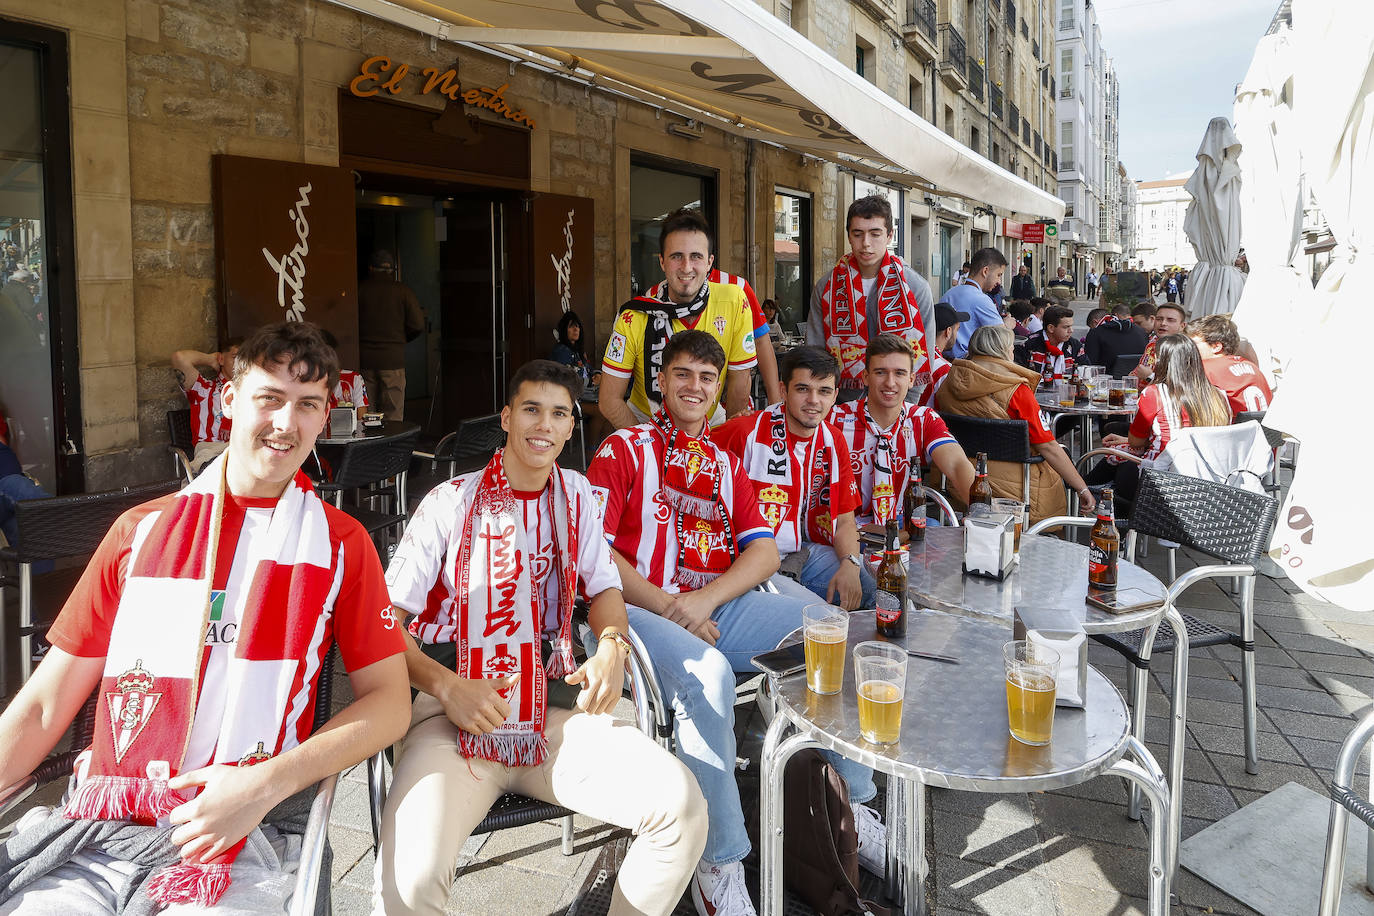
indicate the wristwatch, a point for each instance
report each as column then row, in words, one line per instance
column 620, row 639
column 854, row 558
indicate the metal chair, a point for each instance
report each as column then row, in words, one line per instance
column 469, row 448
column 58, row 528
column 1275, row 440
column 1345, row 802
column 368, row 464
column 1002, row 440
column 180, row 442
column 308, row 874
column 1125, row 364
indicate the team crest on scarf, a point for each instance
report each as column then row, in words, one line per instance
column 793, row 489
column 257, row 755
column 846, row 309
column 693, row 468
column 131, row 705
column 884, row 502
column 773, row 503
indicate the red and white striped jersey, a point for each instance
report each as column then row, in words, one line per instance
column 208, row 422
column 918, row 431
column 349, row 390
column 939, row 368
column 625, row 479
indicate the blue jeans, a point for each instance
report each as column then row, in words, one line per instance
column 821, row 564
column 700, row 683
column 15, row 488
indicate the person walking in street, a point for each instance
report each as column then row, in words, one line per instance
column 1022, row 286
column 971, row 296
column 389, row 317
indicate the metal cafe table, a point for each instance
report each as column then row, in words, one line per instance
column 954, row 735
column 1085, row 413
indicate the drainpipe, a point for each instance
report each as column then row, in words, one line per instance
column 987, row 72
column 751, row 258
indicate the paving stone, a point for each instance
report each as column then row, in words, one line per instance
column 1204, row 800
column 1103, row 867
column 349, row 846
column 1285, row 677
column 1322, row 755
column 1328, row 645
column 976, row 888
column 1197, row 896
column 1360, row 665
column 1271, row 775
column 1345, row 684
column 988, row 841
column 1014, row 810
column 1061, row 815
column 1299, row 724
column 1229, row 740
column 1268, row 655
column 537, row 848
column 1312, row 701
column 1303, row 623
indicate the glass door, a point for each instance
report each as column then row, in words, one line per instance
column 791, row 258
column 657, row 188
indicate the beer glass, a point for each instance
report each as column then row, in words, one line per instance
column 1063, row 393
column 1013, row 507
column 880, row 676
column 825, row 629
column 1030, row 675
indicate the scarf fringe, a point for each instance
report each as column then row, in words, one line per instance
column 185, row 882
column 121, row 798
column 694, row 578
column 695, row 506
column 525, row 750
column 561, row 661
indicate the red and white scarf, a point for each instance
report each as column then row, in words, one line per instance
column 844, row 305
column 780, row 477
column 691, row 483
column 885, row 461
column 498, row 613
column 152, row 679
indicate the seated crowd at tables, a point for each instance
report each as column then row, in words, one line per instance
column 686, row 514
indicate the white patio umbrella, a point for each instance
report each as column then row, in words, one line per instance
column 1276, row 291
column 1212, row 222
column 1323, row 537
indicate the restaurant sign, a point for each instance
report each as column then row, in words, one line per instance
column 1030, row 233
column 380, row 74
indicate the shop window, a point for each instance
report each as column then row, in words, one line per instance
column 792, row 278
column 658, row 187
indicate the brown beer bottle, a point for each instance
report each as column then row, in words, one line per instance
column 981, row 490
column 891, row 586
column 914, row 504
column 1104, row 545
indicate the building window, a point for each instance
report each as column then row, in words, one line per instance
column 659, row 186
column 859, row 61
column 975, row 141
column 997, row 153
column 915, row 96
column 785, row 12
column 949, row 121
column 791, row 256
column 1066, row 144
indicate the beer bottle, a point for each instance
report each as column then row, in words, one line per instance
column 981, row 490
column 1104, row 545
column 914, row 503
column 892, row 586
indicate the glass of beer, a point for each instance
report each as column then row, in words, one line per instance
column 1031, row 672
column 825, row 629
column 1013, row 507
column 1063, row 393
column 880, row 676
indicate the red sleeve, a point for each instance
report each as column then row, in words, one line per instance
column 83, row 627
column 1023, row 406
column 755, row 309
column 1147, row 408
column 365, row 625
column 612, row 474
column 845, row 496
column 733, row 435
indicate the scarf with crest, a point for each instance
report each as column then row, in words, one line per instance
column 693, row 468
column 781, row 479
column 498, row 610
column 885, row 461
column 660, row 313
column 844, row 304
column 152, row 679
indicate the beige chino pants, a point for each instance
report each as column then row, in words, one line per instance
column 386, row 390
column 596, row 765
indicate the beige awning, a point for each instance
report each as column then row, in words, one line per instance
column 741, row 69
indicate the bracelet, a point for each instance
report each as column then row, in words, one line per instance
column 618, row 638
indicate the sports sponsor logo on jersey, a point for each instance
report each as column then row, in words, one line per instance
column 607, row 451
column 388, row 615
column 748, row 342
column 615, row 350
column 600, row 495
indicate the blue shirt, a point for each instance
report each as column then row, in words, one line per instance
column 969, row 297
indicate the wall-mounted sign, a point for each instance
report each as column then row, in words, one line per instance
column 380, row 74
column 1033, row 233
column 563, row 267
column 285, row 243
column 1011, row 229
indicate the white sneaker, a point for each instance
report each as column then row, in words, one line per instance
column 872, row 840
column 719, row 890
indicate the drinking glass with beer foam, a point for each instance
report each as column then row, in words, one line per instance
column 826, row 628
column 880, row 676
column 1030, row 675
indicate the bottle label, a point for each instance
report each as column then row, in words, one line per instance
column 889, row 607
column 1100, row 561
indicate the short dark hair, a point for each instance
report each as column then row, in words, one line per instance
column 820, row 363
column 545, row 371
column 1122, row 310
column 696, row 344
column 298, row 344
column 329, row 338
column 1217, row 329
column 1144, row 310
column 1020, row 309
column 987, row 257
column 1055, row 314
column 1183, row 313
column 230, row 343
column 1096, row 314
column 884, row 344
column 1039, row 304
column 870, row 206
column 686, row 219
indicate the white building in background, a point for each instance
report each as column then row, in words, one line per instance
column 1130, row 257
column 1086, row 111
column 1159, row 210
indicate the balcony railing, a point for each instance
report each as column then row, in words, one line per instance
column 995, row 102
column 1064, row 165
column 921, row 13
column 953, row 51
column 1067, row 24
column 1010, row 11
column 1013, row 118
column 975, row 79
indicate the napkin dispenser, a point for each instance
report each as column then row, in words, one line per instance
column 989, row 542
column 1059, row 629
column 343, row 421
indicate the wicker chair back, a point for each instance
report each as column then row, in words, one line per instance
column 1227, row 523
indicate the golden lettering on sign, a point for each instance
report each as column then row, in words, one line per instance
column 379, row 74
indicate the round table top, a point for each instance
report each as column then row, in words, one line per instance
column 954, row 716
column 1090, row 409
column 1049, row 573
column 389, row 429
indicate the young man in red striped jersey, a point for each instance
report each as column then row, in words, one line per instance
column 209, row 423
column 692, row 548
column 489, row 566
